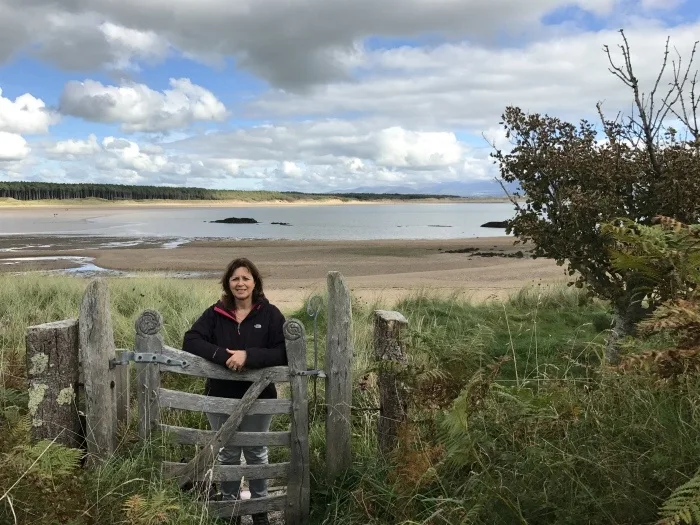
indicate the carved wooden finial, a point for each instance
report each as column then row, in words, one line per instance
column 293, row 330
column 149, row 322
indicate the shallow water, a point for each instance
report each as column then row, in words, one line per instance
column 349, row 222
column 85, row 267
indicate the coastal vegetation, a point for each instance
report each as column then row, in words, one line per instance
column 514, row 416
column 53, row 191
column 633, row 168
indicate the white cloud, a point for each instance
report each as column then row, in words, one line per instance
column 290, row 44
column 333, row 142
column 129, row 45
column 400, row 148
column 25, row 114
column 126, row 154
column 75, row 39
column 231, row 166
column 310, row 156
column 138, row 108
column 666, row 5
column 13, row 147
column 291, row 169
column 468, row 86
column 74, row 148
column 353, row 165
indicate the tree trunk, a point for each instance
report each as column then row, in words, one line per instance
column 627, row 316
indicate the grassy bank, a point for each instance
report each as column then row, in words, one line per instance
column 511, row 419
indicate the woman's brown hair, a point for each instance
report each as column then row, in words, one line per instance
column 241, row 262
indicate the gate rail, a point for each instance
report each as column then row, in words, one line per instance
column 203, row 468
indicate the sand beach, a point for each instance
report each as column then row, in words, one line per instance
column 293, row 270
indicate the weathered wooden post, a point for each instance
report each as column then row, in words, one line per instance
column 299, row 485
column 99, row 378
column 339, row 351
column 52, row 373
column 389, row 349
column 150, row 341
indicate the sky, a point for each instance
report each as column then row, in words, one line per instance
column 306, row 95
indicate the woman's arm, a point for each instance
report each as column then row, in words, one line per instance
column 199, row 340
column 275, row 352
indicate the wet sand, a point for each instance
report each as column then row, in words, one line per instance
column 383, row 271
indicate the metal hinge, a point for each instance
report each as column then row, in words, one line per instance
column 318, row 373
column 145, row 358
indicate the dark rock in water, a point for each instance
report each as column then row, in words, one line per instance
column 463, row 250
column 281, row 223
column 515, row 255
column 237, row 220
column 495, row 224
column 476, row 253
column 438, row 226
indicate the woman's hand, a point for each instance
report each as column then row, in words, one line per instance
column 237, row 359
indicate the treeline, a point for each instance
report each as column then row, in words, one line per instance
column 32, row 191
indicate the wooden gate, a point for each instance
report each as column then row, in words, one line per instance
column 152, row 357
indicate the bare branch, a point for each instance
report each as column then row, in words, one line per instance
column 616, row 70
column 695, row 102
column 510, row 197
column 658, row 79
column 500, row 181
column 611, row 127
column 688, row 114
column 628, row 77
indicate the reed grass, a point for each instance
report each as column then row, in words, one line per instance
column 512, row 418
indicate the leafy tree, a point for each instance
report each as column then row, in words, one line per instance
column 666, row 260
column 574, row 178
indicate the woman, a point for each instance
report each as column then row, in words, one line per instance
column 241, row 331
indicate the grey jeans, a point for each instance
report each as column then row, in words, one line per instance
column 231, row 455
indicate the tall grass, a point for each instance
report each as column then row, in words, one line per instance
column 511, row 418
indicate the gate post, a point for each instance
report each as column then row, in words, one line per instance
column 298, row 487
column 389, row 350
column 148, row 340
column 52, row 374
column 338, row 376
column 99, row 378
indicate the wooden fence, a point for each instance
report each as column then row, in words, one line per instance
column 73, row 366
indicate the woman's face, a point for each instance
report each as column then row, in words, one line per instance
column 242, row 284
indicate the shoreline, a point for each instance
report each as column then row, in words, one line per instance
column 377, row 271
column 98, row 203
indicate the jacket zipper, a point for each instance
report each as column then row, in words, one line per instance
column 239, row 328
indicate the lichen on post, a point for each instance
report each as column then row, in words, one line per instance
column 390, row 352
column 52, row 374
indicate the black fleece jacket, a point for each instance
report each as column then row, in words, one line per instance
column 260, row 334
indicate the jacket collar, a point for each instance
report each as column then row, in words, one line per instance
column 221, row 309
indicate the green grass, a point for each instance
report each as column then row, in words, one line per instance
column 511, row 417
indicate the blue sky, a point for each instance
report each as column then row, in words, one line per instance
column 397, row 94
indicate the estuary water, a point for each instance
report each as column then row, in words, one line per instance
column 333, row 222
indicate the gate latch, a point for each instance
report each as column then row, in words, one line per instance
column 145, row 358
